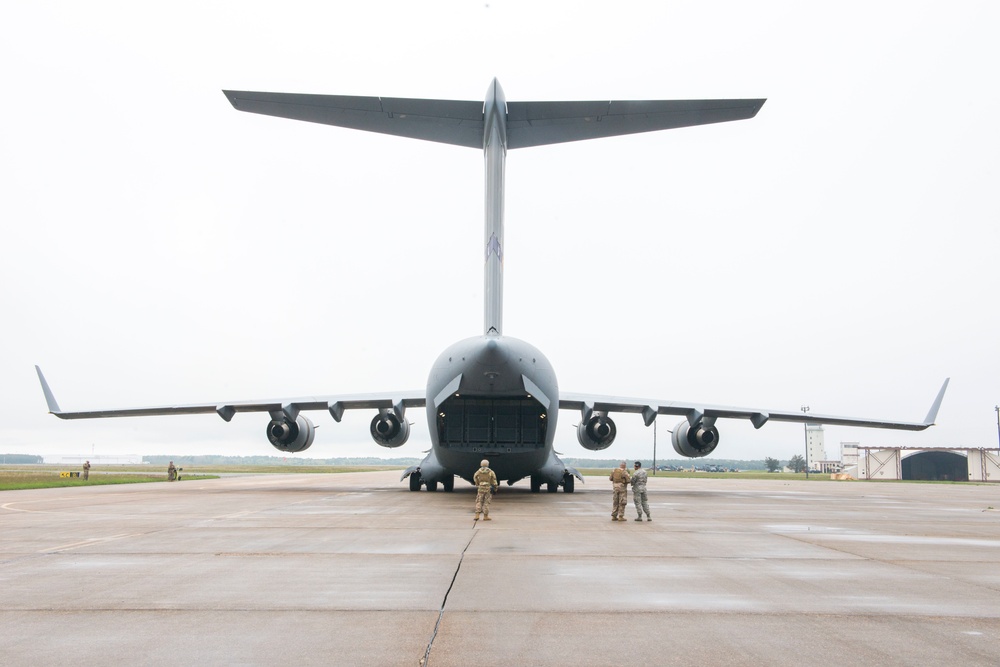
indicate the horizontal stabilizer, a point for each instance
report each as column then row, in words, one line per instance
column 539, row 123
column 444, row 121
column 461, row 123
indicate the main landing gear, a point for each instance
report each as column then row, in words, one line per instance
column 448, row 483
column 568, row 484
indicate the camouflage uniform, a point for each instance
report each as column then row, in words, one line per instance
column 486, row 481
column 619, row 478
column 639, row 493
column 86, row 470
column 171, row 472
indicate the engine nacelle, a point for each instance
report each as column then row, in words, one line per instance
column 596, row 433
column 291, row 436
column 694, row 442
column 389, row 430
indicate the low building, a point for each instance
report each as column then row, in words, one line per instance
column 955, row 464
column 849, row 454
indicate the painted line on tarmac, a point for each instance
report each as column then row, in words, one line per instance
column 86, row 543
column 10, row 506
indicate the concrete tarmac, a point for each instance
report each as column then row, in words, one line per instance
column 354, row 569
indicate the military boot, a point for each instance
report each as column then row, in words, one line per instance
column 477, row 517
column 638, row 518
column 486, row 517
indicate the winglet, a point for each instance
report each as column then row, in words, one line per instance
column 49, row 398
column 932, row 414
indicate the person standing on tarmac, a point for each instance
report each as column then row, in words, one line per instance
column 171, row 472
column 639, row 478
column 486, row 483
column 86, row 470
column 619, row 478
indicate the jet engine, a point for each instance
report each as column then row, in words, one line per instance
column 694, row 441
column 596, row 433
column 389, row 430
column 291, row 436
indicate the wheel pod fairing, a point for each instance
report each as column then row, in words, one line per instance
column 291, row 436
column 596, row 433
column 696, row 441
column 389, row 431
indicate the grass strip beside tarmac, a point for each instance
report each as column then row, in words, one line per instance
column 10, row 481
column 42, row 477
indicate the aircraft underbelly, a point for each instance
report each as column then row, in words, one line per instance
column 511, row 466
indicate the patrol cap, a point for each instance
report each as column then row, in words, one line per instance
column 484, row 463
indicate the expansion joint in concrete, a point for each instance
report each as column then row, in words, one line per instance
column 425, row 661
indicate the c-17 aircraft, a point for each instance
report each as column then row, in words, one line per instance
column 493, row 396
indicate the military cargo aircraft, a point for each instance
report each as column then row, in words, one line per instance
column 493, row 396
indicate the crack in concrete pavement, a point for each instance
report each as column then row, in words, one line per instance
column 424, row 661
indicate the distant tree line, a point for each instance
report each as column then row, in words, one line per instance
column 22, row 458
column 795, row 464
column 687, row 464
column 209, row 459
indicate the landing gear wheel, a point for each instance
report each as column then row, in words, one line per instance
column 551, row 487
column 569, row 483
column 448, row 483
column 432, row 486
column 536, row 484
column 414, row 481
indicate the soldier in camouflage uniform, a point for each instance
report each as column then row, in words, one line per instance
column 619, row 478
column 639, row 492
column 86, row 470
column 486, row 482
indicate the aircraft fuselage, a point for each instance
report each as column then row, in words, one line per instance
column 492, row 397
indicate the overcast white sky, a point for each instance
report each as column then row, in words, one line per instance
column 837, row 251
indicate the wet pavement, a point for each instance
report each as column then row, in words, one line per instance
column 354, row 569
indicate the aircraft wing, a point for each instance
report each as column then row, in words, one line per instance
column 461, row 123
column 290, row 408
column 696, row 412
